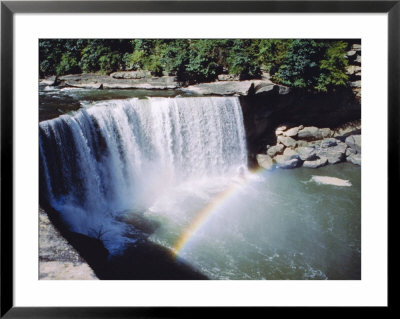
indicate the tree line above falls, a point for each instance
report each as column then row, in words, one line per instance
column 301, row 63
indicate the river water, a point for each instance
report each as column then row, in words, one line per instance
column 179, row 164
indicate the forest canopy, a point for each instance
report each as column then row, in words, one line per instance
column 301, row 63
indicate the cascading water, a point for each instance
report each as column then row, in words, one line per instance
column 124, row 154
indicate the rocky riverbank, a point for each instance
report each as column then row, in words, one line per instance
column 57, row 258
column 312, row 147
column 143, row 80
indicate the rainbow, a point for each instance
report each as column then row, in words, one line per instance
column 205, row 214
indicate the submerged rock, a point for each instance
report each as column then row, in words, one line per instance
column 328, row 180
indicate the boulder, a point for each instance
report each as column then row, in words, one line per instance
column 347, row 130
column 225, row 87
column 316, row 163
column 356, row 84
column 354, row 158
column 328, row 142
column 358, row 59
column 301, row 143
column 283, row 90
column 353, row 69
column 354, row 142
column 265, row 88
column 265, row 75
column 334, row 154
column 287, row 141
column 351, row 53
column 264, row 161
column 306, row 153
column 356, row 47
column 325, row 132
column 309, row 132
column 276, row 149
column 228, row 77
column 291, row 132
column 295, row 162
column 50, row 81
column 280, row 130
column 141, row 74
column 290, row 154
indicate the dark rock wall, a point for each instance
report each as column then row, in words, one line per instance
column 263, row 113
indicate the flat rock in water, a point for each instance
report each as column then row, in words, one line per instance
column 329, row 180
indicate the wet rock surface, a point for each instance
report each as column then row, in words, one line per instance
column 57, row 258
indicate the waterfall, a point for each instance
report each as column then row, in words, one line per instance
column 120, row 154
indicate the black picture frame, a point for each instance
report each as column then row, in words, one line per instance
column 9, row 8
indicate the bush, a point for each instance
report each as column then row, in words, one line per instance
column 67, row 65
column 300, row 67
column 242, row 59
column 333, row 67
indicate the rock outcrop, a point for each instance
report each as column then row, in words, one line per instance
column 118, row 80
column 236, row 88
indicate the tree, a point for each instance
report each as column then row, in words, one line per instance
column 242, row 59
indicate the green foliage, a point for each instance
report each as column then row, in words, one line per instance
column 333, row 66
column 300, row 67
column 175, row 57
column 203, row 64
column 311, row 64
column 272, row 53
column 301, row 63
column 67, row 65
column 242, row 59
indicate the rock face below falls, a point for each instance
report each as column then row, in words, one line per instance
column 57, row 258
